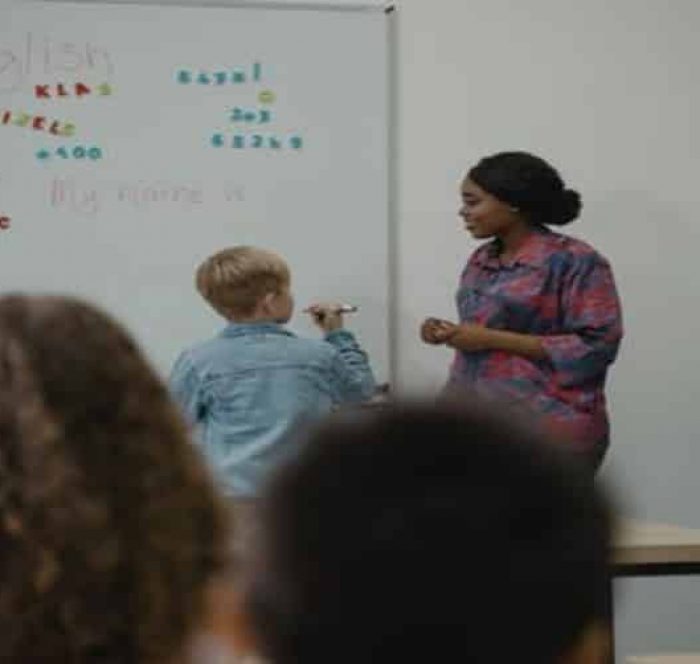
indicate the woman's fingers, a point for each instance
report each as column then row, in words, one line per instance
column 436, row 330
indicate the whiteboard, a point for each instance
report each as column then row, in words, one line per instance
column 137, row 140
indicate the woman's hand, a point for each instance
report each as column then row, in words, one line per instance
column 437, row 331
column 471, row 338
column 467, row 336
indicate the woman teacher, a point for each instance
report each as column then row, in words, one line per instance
column 540, row 319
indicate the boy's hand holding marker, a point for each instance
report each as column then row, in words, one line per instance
column 329, row 315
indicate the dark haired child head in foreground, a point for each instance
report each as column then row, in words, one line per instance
column 420, row 533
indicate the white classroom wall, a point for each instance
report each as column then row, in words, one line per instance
column 607, row 90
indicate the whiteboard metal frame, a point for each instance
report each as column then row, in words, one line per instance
column 244, row 4
column 392, row 115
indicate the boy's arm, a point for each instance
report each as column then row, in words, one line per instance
column 185, row 387
column 351, row 375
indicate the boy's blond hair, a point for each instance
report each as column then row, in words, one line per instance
column 234, row 280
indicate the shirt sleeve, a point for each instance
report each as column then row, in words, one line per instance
column 592, row 323
column 185, row 387
column 351, row 375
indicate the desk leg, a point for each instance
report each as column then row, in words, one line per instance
column 610, row 617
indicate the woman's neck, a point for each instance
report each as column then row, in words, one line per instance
column 514, row 239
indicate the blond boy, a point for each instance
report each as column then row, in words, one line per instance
column 251, row 388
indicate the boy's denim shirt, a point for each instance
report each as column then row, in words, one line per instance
column 249, row 390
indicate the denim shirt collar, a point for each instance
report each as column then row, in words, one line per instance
column 247, row 329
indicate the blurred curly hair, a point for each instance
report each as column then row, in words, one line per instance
column 110, row 527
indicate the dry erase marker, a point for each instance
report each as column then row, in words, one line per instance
column 342, row 309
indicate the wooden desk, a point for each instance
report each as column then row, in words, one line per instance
column 655, row 549
column 651, row 549
column 664, row 659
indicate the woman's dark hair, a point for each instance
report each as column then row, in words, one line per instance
column 530, row 184
column 110, row 528
column 423, row 532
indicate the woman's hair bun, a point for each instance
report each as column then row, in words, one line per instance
column 565, row 208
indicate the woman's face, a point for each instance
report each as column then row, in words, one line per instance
column 485, row 215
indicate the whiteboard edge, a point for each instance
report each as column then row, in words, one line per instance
column 234, row 4
column 392, row 112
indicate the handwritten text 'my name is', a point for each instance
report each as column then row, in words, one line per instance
column 89, row 199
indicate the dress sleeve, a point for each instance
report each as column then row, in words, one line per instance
column 592, row 323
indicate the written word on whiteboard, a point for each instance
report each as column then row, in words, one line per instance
column 223, row 76
column 39, row 56
column 78, row 90
column 89, row 198
column 63, row 152
column 36, row 122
